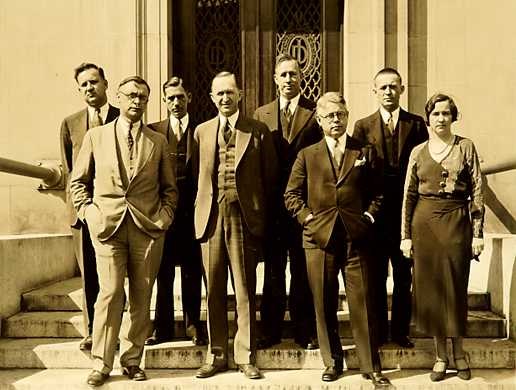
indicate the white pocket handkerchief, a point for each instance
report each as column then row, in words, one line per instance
column 360, row 162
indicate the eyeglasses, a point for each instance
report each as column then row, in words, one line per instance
column 133, row 96
column 442, row 183
column 339, row 115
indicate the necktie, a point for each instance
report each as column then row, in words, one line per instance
column 227, row 131
column 286, row 116
column 337, row 153
column 179, row 130
column 130, row 141
column 390, row 123
column 96, row 120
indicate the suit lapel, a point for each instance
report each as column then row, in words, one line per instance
column 146, row 149
column 348, row 162
column 80, row 125
column 404, row 129
column 111, row 114
column 211, row 144
column 242, row 138
column 189, row 142
column 301, row 116
column 271, row 116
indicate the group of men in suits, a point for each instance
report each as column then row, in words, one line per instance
column 207, row 198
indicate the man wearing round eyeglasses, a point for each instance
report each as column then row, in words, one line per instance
column 123, row 185
column 334, row 192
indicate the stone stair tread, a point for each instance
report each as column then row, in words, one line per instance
column 66, row 295
column 70, row 324
column 65, row 353
column 74, row 379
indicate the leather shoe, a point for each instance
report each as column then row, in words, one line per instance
column 266, row 342
column 331, row 373
column 250, row 371
column 311, row 343
column 208, row 370
column 86, row 344
column 378, row 379
column 403, row 341
column 153, row 340
column 97, row 378
column 135, row 373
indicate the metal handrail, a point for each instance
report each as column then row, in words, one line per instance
column 489, row 169
column 50, row 173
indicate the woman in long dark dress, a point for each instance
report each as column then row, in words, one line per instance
column 442, row 220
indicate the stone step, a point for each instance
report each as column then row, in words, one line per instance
column 65, row 353
column 70, row 324
column 67, row 296
column 75, row 379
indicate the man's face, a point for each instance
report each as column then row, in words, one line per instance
column 333, row 119
column 93, row 87
column 132, row 99
column 177, row 100
column 388, row 90
column 225, row 95
column 287, row 77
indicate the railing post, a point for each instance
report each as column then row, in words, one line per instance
column 49, row 171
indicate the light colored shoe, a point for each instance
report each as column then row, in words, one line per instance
column 439, row 371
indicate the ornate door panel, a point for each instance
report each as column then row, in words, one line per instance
column 244, row 37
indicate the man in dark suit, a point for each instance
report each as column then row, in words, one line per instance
column 335, row 192
column 291, row 120
column 394, row 133
column 180, row 246
column 123, row 186
column 92, row 84
column 237, row 171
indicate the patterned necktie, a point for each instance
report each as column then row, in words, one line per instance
column 227, row 131
column 337, row 153
column 96, row 120
column 286, row 116
column 130, row 141
column 390, row 123
column 179, row 130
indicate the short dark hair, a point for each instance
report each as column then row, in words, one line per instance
column 388, row 71
column 440, row 97
column 85, row 66
column 330, row 97
column 174, row 81
column 283, row 57
column 136, row 79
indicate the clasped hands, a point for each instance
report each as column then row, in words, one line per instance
column 477, row 246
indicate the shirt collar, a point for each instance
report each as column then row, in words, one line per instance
column 386, row 115
column 293, row 103
column 103, row 112
column 184, row 121
column 330, row 141
column 231, row 119
column 124, row 124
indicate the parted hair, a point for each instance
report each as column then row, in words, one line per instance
column 330, row 97
column 136, row 79
column 174, row 81
column 388, row 71
column 85, row 66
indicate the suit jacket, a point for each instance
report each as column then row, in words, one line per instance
column 73, row 129
column 256, row 172
column 412, row 131
column 100, row 196
column 304, row 131
column 316, row 187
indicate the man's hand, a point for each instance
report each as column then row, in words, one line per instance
column 308, row 218
column 406, row 247
column 477, row 246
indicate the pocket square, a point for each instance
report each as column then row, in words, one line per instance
column 360, row 162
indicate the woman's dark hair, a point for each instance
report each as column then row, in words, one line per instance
column 440, row 97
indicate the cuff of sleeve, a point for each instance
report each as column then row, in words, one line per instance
column 369, row 215
column 301, row 216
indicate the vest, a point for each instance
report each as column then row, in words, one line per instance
column 390, row 150
column 226, row 182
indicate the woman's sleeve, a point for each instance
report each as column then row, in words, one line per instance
column 410, row 195
column 477, row 197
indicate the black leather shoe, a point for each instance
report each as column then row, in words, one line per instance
column 250, row 371
column 208, row 370
column 97, row 378
column 378, row 379
column 86, row 344
column 331, row 373
column 403, row 341
column 197, row 336
column 135, row 373
column 267, row 342
column 307, row 344
column 153, row 340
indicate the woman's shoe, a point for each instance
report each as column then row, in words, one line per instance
column 462, row 366
column 439, row 371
